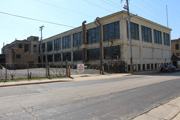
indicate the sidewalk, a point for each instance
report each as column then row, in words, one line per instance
column 29, row 82
column 168, row 111
column 81, row 77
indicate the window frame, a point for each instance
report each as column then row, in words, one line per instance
column 111, row 31
column 146, row 33
column 134, row 30
column 66, row 41
column 157, row 36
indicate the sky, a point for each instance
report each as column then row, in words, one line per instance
column 68, row 14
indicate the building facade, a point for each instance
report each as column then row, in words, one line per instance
column 21, row 52
column 106, row 42
column 2, row 59
column 175, row 50
column 175, row 47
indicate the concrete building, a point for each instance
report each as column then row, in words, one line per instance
column 175, row 47
column 151, row 44
column 21, row 52
column 2, row 59
column 175, row 50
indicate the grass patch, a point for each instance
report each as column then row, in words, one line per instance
column 32, row 78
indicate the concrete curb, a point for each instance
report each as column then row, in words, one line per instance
column 168, row 111
column 76, row 78
column 18, row 83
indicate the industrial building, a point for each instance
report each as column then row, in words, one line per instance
column 105, row 42
column 175, row 50
column 20, row 53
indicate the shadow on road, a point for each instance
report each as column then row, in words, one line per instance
column 158, row 73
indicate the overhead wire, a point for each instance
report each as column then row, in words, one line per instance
column 107, row 2
column 162, row 6
column 64, row 8
column 97, row 6
column 5, row 13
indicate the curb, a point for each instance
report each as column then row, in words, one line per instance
column 33, row 82
column 167, row 111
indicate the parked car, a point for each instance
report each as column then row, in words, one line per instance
column 170, row 68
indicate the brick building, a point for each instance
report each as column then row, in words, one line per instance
column 21, row 52
column 175, row 50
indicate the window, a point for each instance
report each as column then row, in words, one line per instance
column 34, row 46
column 20, row 45
column 49, row 46
column 177, row 54
column 112, row 52
column 77, row 55
column 50, row 58
column 77, row 39
column 67, row 41
column 93, row 35
column 57, row 44
column 35, row 38
column 146, row 34
column 67, row 56
column 152, row 67
column 111, row 31
column 93, row 54
column 43, row 47
column 148, row 66
column 26, row 47
column 44, row 58
column 57, row 57
column 139, row 67
column 177, row 46
column 166, row 39
column 18, row 56
column 134, row 31
column 157, row 37
column 144, row 67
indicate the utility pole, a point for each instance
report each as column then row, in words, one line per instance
column 129, row 34
column 41, row 52
column 101, row 59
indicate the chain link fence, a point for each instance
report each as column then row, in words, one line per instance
column 15, row 72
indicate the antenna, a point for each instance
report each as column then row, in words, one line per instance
column 167, row 15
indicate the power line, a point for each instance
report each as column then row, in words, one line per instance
column 34, row 19
column 109, row 3
column 97, row 6
column 63, row 8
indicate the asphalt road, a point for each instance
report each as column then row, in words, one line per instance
column 106, row 99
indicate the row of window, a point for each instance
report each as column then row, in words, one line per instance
column 147, row 34
column 26, row 47
column 110, row 32
column 146, row 66
column 92, row 54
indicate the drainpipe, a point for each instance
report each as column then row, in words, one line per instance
column 84, row 43
column 101, row 59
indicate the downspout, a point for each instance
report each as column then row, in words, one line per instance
column 84, row 43
column 101, row 59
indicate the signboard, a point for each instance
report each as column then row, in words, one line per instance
column 80, row 68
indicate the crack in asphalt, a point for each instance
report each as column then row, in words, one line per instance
column 29, row 112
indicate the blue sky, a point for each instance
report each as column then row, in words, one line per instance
column 74, row 12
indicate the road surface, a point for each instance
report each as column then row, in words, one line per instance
column 117, row 98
